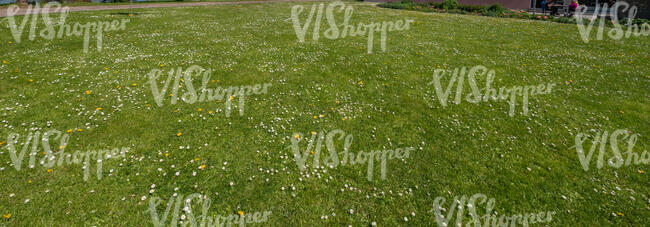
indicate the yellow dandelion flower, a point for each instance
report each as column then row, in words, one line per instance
column 210, row 112
column 49, row 170
column 80, row 130
column 69, row 131
column 321, row 116
column 296, row 136
column 7, row 216
column 241, row 213
column 232, row 97
column 199, row 109
column 2, row 143
column 315, row 116
column 29, row 181
column 99, row 108
column 133, row 85
column 343, row 119
column 61, row 147
column 640, row 171
column 313, row 133
column 196, row 159
column 88, row 92
column 162, row 65
column 4, row 62
column 179, row 134
column 202, row 167
column 170, row 94
column 30, row 80
column 166, row 154
column 620, row 214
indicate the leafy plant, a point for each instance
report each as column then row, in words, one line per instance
column 471, row 8
column 450, row 4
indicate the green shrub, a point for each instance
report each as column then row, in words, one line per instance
column 436, row 4
column 495, row 10
column 394, row 5
column 450, row 4
column 406, row 1
column 637, row 21
column 471, row 8
column 496, row 7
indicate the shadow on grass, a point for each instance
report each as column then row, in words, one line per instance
column 128, row 14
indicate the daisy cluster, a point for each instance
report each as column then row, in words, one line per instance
column 50, row 32
column 346, row 29
column 491, row 217
column 185, row 215
column 600, row 141
column 204, row 94
column 490, row 93
column 49, row 158
column 348, row 157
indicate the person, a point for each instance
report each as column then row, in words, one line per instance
column 572, row 8
column 543, row 6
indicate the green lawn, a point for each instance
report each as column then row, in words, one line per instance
column 127, row 2
column 527, row 163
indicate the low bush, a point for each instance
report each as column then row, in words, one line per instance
column 494, row 10
column 471, row 8
column 450, row 4
column 637, row 21
column 394, row 5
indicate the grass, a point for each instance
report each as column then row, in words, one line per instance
column 462, row 149
column 127, row 2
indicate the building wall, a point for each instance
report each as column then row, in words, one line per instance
column 644, row 8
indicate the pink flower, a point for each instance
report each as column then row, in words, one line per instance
column 538, row 17
column 545, row 17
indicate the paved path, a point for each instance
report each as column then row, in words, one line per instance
column 23, row 11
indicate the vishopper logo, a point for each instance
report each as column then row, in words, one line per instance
column 204, row 94
column 345, row 29
column 348, row 157
column 488, row 219
column 185, row 216
column 49, row 32
column 510, row 94
column 605, row 12
column 49, row 158
column 599, row 141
